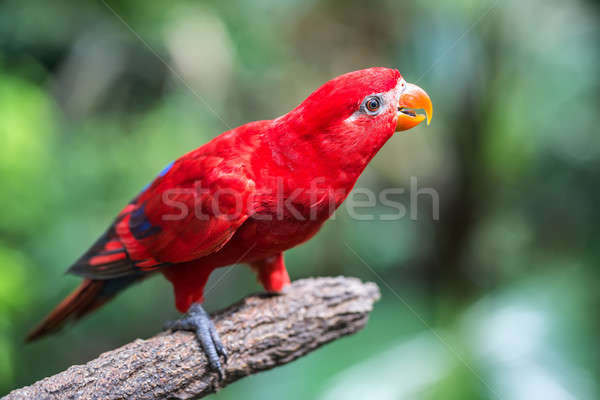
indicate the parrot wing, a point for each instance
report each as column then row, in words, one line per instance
column 191, row 210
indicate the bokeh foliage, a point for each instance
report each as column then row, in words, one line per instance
column 496, row 299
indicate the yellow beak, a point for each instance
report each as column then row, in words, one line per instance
column 412, row 99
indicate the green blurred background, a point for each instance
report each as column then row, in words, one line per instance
column 497, row 299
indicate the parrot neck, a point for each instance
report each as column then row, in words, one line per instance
column 339, row 154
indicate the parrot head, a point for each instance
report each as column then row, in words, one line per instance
column 356, row 113
column 369, row 98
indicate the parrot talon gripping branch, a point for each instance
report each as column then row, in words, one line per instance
column 198, row 321
column 330, row 138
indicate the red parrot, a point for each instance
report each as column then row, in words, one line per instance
column 245, row 197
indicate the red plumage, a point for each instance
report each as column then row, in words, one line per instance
column 185, row 225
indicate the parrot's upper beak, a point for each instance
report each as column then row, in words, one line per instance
column 413, row 98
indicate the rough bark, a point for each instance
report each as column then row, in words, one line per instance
column 260, row 332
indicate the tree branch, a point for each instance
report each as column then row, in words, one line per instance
column 260, row 332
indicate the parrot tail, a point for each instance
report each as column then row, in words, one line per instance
column 80, row 302
column 90, row 295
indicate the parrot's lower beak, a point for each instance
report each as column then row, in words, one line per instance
column 412, row 99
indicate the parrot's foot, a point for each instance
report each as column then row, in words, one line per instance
column 198, row 321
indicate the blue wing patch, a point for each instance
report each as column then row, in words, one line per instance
column 140, row 226
column 166, row 169
column 147, row 186
column 160, row 174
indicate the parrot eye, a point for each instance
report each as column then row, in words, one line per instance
column 372, row 104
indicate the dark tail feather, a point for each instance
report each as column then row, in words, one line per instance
column 86, row 298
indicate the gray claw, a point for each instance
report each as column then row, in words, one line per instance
column 198, row 321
